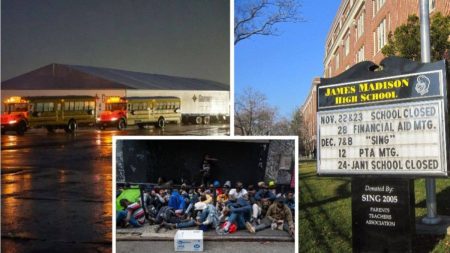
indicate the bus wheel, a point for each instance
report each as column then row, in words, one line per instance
column 121, row 124
column 198, row 120
column 21, row 128
column 50, row 129
column 71, row 126
column 161, row 122
column 206, row 120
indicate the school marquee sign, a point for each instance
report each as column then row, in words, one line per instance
column 389, row 122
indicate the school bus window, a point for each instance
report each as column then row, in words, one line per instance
column 39, row 107
column 79, row 106
column 91, row 105
column 86, row 105
column 139, row 106
column 49, row 107
column 72, row 106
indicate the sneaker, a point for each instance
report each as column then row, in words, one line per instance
column 220, row 231
column 249, row 227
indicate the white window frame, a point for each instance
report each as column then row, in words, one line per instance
column 360, row 55
column 336, row 60
column 431, row 5
column 347, row 44
column 360, row 25
column 380, row 36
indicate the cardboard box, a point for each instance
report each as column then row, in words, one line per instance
column 189, row 240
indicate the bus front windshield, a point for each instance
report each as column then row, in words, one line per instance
column 11, row 107
column 116, row 106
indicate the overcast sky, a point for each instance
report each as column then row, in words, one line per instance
column 172, row 37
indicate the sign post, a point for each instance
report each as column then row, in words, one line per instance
column 430, row 183
column 384, row 128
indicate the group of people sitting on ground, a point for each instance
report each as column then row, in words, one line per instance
column 222, row 208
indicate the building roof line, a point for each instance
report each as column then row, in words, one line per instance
column 67, row 76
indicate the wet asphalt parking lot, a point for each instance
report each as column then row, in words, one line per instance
column 57, row 188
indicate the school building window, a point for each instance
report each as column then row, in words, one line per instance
column 347, row 44
column 380, row 36
column 336, row 61
column 360, row 55
column 360, row 26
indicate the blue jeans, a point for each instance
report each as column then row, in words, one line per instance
column 237, row 218
column 186, row 224
column 121, row 215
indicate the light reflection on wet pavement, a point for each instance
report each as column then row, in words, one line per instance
column 57, row 188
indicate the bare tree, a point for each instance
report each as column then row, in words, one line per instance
column 299, row 128
column 259, row 17
column 253, row 115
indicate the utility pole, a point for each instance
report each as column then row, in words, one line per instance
column 430, row 183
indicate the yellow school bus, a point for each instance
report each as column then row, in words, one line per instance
column 15, row 115
column 143, row 111
column 61, row 112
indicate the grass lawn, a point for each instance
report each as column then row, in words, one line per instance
column 325, row 212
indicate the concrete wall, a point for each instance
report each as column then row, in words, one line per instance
column 277, row 150
column 146, row 160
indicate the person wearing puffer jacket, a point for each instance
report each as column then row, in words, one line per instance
column 176, row 201
column 239, row 210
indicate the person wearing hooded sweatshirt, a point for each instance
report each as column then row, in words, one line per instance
column 264, row 194
column 239, row 213
column 278, row 217
column 176, row 201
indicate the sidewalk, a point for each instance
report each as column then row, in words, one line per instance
column 147, row 233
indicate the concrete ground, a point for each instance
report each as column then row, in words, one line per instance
column 147, row 233
column 208, row 246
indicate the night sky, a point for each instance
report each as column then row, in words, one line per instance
column 176, row 37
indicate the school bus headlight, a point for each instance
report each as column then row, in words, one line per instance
column 113, row 119
column 12, row 122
